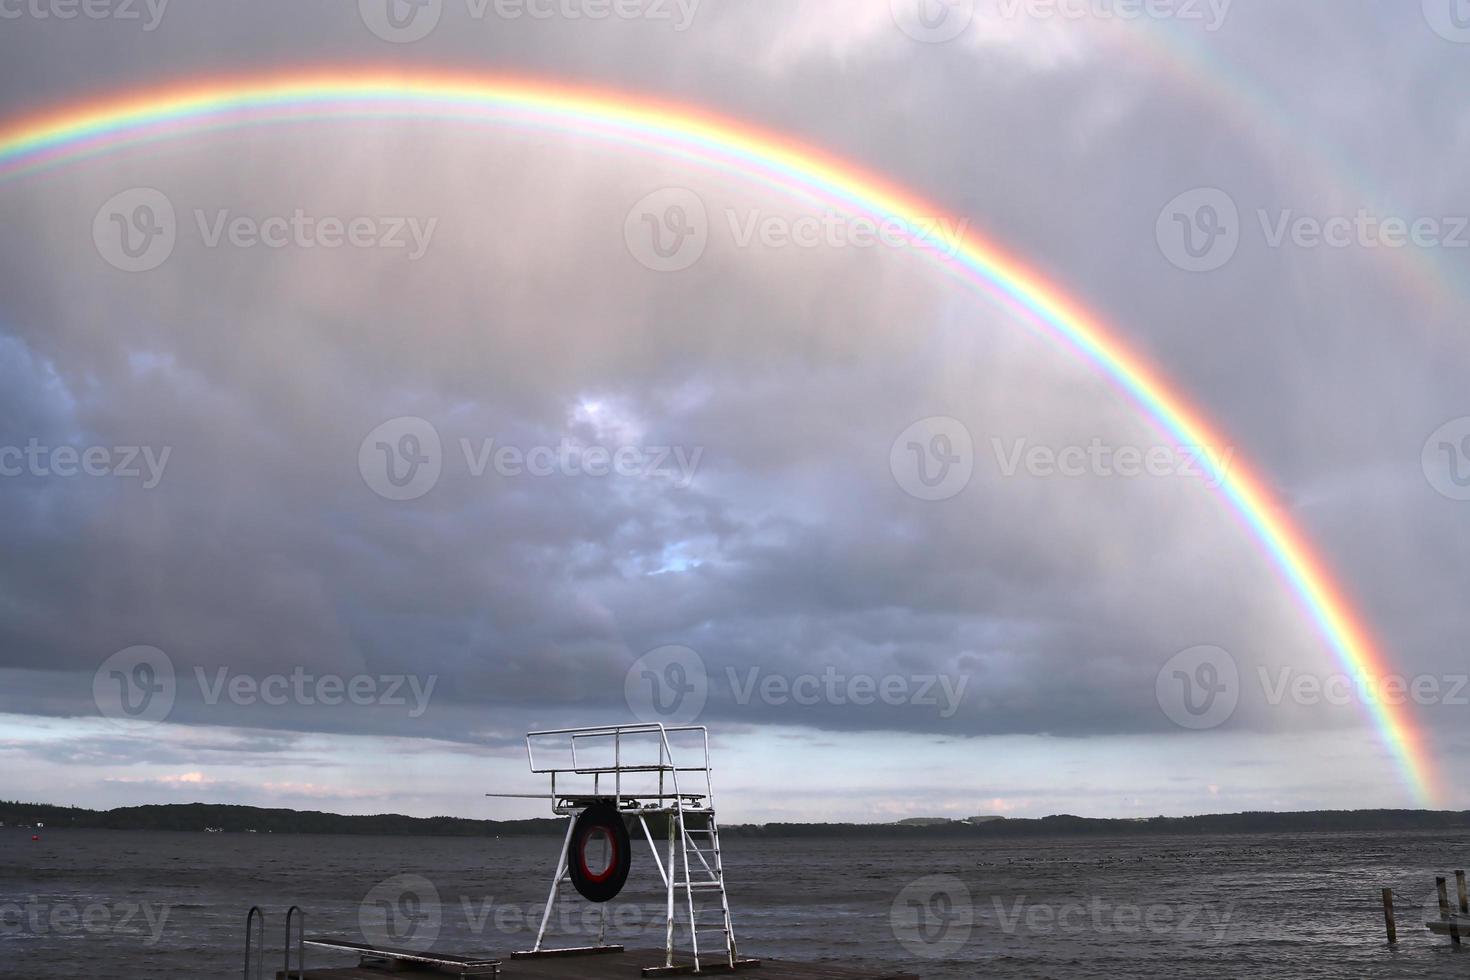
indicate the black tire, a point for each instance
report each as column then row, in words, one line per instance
column 598, row 822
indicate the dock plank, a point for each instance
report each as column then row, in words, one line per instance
column 622, row 966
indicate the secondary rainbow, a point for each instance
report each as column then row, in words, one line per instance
column 1204, row 73
column 76, row 132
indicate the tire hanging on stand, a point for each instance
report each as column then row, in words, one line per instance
column 599, row 824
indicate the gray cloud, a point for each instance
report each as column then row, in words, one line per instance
column 791, row 371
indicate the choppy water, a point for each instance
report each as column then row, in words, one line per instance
column 121, row 904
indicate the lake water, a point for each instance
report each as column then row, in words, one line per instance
column 134, row 904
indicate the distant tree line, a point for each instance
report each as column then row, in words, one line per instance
column 1065, row 825
column 196, row 817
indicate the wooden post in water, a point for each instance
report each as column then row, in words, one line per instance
column 1464, row 896
column 1444, row 909
column 1388, row 923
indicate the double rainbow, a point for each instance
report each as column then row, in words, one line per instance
column 77, row 132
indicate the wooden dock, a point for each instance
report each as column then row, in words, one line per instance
column 621, row 966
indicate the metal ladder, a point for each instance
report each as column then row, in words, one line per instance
column 256, row 918
column 706, row 877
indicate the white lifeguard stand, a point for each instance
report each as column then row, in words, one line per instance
column 636, row 770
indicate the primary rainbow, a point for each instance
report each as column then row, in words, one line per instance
column 77, row 132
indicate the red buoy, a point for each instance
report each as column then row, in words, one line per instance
column 35, row 837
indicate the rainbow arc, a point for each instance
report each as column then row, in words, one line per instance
column 75, row 133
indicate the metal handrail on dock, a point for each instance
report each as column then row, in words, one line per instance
column 291, row 915
column 255, row 917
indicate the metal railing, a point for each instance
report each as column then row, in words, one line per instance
column 291, row 914
column 576, row 744
column 256, row 917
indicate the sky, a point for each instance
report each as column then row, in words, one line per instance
column 337, row 455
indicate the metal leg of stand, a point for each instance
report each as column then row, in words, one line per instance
column 561, row 870
column 669, row 867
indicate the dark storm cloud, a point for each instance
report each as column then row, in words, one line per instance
column 793, row 550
